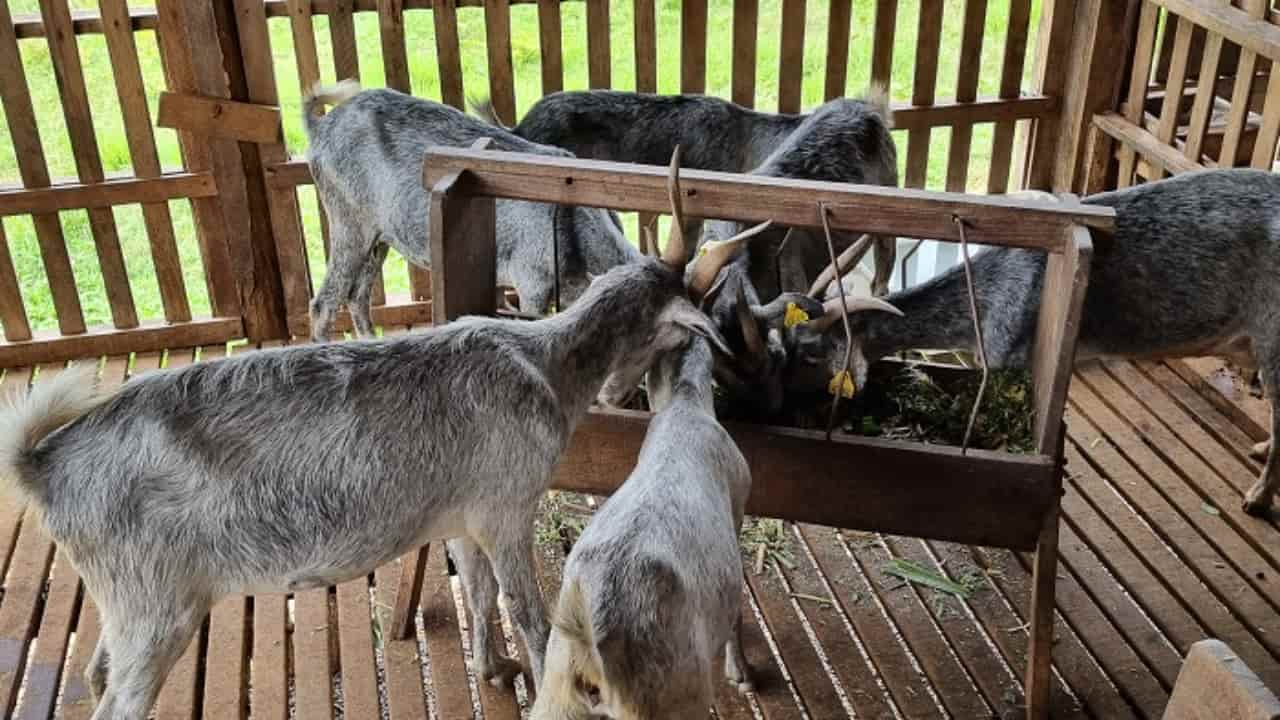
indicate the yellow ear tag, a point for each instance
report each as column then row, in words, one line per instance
column 794, row 316
column 842, row 384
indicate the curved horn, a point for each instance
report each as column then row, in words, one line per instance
column 851, row 256
column 832, row 309
column 676, row 255
column 751, row 337
column 650, row 241
column 714, row 255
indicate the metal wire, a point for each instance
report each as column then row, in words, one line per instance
column 823, row 210
column 977, row 331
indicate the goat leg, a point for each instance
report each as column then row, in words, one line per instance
column 481, row 591
column 1258, row 500
column 736, row 669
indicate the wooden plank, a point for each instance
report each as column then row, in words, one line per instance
column 1090, row 675
column 65, row 56
column 304, row 44
column 1241, row 93
column 312, row 662
column 999, row 687
column 400, row 655
column 342, row 33
column 1202, row 106
column 1177, row 76
column 1264, row 147
column 399, row 311
column 355, row 638
column 497, row 28
column 798, row 655
column 1214, row 683
column 906, row 610
column 226, row 663
column 882, row 42
column 16, row 383
column 1051, row 69
column 23, row 587
column 1169, row 591
column 693, row 46
column 549, row 43
column 1136, row 138
column 838, row 21
column 1206, row 481
column 193, row 64
column 1004, row 627
column 13, row 311
column 646, row 46
column 928, row 39
column 131, row 91
column 109, row 341
column 862, row 208
column 290, row 251
column 395, row 59
column 975, row 15
column 788, row 474
column 1220, row 558
column 462, row 247
column 854, row 673
column 269, row 682
column 598, row 57
column 406, row 595
column 29, row 154
column 1044, row 589
column 444, row 644
column 1139, row 78
column 746, row 20
column 1250, row 30
column 1057, row 326
column 444, row 15
column 219, row 117
column 86, row 22
column 1015, row 53
column 1224, row 431
column 1227, row 392
column 104, row 194
column 791, row 56
column 45, row 669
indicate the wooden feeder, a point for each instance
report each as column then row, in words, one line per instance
column 903, row 488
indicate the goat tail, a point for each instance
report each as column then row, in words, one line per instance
column 571, row 668
column 320, row 95
column 484, row 110
column 50, row 405
column 877, row 97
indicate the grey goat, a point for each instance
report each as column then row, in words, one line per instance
column 301, row 467
column 1193, row 269
column 844, row 140
column 652, row 590
column 366, row 158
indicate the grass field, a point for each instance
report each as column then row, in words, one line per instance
column 421, row 43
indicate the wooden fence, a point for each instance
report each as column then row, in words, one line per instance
column 243, row 185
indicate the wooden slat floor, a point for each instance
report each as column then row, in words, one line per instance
column 1156, row 554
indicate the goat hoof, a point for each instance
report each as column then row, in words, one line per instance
column 1256, row 506
column 745, row 687
column 502, row 673
column 1260, row 450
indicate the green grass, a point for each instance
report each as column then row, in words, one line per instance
column 420, row 38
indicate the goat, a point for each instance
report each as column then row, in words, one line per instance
column 366, row 158
column 1191, row 270
column 305, row 466
column 652, row 589
column 844, row 140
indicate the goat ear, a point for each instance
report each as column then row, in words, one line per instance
column 683, row 314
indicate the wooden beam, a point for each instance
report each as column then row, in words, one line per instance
column 1251, row 33
column 400, row 311
column 75, row 196
column 1215, row 683
column 865, row 483
column 463, row 280
column 854, row 208
column 229, row 119
column 1144, row 143
column 95, row 342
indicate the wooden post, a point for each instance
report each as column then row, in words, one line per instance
column 1061, row 305
column 1082, row 48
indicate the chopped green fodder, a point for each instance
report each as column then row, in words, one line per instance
column 766, row 539
column 560, row 520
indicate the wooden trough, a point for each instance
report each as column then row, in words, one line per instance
column 904, row 488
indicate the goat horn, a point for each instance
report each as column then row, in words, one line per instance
column 832, row 309
column 756, row 350
column 714, row 255
column 851, row 256
column 675, row 256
